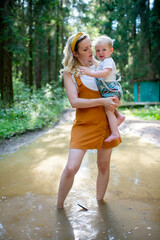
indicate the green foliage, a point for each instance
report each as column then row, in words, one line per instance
column 150, row 113
column 127, row 92
column 31, row 112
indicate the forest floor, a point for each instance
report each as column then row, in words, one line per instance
column 145, row 129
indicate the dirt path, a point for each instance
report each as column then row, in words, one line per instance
column 145, row 129
column 148, row 130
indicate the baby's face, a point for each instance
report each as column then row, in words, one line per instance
column 103, row 51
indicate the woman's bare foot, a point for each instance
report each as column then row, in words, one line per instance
column 101, row 202
column 113, row 136
column 59, row 206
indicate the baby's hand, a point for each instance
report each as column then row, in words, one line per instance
column 84, row 71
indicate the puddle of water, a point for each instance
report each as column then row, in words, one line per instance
column 29, row 181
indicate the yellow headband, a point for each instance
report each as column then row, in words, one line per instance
column 74, row 41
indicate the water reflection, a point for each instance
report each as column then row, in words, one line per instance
column 28, row 187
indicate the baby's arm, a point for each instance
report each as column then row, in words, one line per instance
column 97, row 74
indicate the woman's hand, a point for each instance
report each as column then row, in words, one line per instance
column 111, row 103
column 117, row 101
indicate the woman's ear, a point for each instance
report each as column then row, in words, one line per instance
column 75, row 54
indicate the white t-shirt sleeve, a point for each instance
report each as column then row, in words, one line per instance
column 107, row 63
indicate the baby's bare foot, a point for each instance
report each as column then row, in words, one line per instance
column 112, row 137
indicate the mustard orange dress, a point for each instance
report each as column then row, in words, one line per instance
column 90, row 127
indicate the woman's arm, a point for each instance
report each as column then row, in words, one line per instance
column 110, row 103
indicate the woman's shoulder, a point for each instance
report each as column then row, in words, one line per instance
column 69, row 77
column 67, row 74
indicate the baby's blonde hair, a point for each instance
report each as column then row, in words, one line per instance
column 104, row 39
column 71, row 63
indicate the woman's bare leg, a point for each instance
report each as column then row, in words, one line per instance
column 103, row 163
column 74, row 161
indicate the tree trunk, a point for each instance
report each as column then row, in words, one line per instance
column 38, row 73
column 6, row 73
column 38, row 62
column 57, row 52
column 149, row 32
column 6, row 84
column 24, row 67
column 25, row 73
column 57, row 44
column 49, row 59
column 155, row 29
column 62, row 34
column 38, row 67
column 30, row 46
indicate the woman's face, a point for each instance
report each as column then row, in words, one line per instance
column 85, row 52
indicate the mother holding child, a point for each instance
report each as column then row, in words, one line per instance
column 91, row 129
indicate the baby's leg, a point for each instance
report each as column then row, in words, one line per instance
column 120, row 117
column 113, row 126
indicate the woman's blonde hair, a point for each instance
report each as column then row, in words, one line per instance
column 70, row 62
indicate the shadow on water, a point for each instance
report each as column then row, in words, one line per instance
column 28, row 189
column 63, row 228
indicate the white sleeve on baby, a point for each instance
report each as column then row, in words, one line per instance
column 108, row 63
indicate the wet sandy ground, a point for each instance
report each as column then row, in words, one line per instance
column 29, row 181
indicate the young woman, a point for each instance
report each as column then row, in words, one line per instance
column 90, row 127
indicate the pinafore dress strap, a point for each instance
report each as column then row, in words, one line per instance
column 77, row 81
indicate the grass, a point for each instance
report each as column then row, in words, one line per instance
column 150, row 113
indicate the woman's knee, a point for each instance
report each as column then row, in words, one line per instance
column 103, row 160
column 103, row 166
column 71, row 171
column 74, row 162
